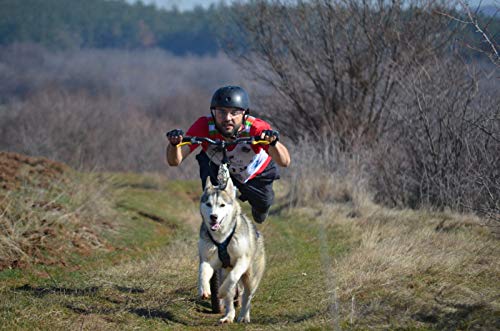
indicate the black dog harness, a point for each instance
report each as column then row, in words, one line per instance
column 222, row 248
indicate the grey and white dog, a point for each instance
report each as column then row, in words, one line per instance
column 229, row 241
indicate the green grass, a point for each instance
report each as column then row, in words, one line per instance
column 149, row 281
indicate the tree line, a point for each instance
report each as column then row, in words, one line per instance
column 66, row 24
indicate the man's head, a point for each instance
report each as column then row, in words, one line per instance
column 229, row 106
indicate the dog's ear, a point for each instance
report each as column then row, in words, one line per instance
column 208, row 184
column 230, row 188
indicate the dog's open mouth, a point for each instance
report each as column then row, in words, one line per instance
column 214, row 226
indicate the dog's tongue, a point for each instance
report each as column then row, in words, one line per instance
column 215, row 227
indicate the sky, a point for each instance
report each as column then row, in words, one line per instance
column 190, row 4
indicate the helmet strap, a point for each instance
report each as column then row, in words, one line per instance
column 245, row 115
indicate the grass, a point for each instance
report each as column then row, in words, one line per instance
column 44, row 224
column 436, row 269
column 327, row 268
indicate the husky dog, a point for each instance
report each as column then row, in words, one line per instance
column 229, row 241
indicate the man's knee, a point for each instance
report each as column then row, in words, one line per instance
column 260, row 215
column 260, row 208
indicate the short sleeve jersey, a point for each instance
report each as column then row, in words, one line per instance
column 246, row 161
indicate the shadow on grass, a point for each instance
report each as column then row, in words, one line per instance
column 132, row 290
column 454, row 316
column 148, row 313
column 42, row 291
column 157, row 314
column 167, row 315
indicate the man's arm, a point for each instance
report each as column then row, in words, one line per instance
column 174, row 155
column 280, row 154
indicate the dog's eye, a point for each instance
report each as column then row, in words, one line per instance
column 209, row 204
column 222, row 205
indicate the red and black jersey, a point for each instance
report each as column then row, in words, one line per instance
column 246, row 161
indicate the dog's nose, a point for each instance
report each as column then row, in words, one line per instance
column 213, row 217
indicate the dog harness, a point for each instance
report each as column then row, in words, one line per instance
column 222, row 248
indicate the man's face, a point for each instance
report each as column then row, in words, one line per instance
column 228, row 120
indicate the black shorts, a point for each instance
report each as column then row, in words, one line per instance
column 258, row 190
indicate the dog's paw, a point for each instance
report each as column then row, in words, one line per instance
column 245, row 319
column 226, row 319
column 205, row 295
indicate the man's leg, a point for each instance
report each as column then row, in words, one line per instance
column 259, row 192
column 207, row 169
column 260, row 196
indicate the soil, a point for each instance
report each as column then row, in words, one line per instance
column 16, row 169
column 44, row 241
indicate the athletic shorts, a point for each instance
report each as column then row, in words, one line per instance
column 258, row 190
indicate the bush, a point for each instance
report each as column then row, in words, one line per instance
column 442, row 149
column 103, row 109
column 382, row 78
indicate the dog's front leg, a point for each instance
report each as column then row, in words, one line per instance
column 234, row 276
column 206, row 272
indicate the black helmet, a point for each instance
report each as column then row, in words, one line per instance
column 230, row 96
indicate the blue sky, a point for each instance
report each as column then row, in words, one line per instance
column 189, row 4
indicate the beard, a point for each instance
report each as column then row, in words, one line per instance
column 227, row 133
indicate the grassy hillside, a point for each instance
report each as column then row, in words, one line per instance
column 327, row 267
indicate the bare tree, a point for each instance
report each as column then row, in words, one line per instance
column 480, row 25
column 103, row 109
column 382, row 75
column 444, row 148
column 331, row 66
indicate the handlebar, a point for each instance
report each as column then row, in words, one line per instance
column 245, row 140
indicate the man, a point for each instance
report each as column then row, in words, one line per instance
column 252, row 168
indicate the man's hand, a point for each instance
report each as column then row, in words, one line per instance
column 174, row 155
column 279, row 152
column 272, row 136
column 175, row 136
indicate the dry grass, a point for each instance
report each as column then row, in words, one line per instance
column 404, row 268
column 431, row 268
column 325, row 174
column 330, row 265
column 42, row 224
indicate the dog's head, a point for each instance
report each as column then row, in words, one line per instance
column 217, row 206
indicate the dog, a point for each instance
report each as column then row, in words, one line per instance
column 231, row 242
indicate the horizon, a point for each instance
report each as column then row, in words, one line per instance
column 184, row 5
